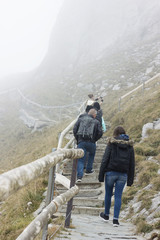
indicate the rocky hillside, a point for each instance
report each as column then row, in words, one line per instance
column 99, row 47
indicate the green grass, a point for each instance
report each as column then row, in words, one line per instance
column 128, row 195
column 133, row 115
column 142, row 225
column 19, row 146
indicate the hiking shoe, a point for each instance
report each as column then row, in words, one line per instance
column 79, row 180
column 89, row 173
column 115, row 223
column 104, row 217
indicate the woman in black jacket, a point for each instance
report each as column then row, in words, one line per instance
column 117, row 168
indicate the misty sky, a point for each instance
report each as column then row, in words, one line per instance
column 25, row 28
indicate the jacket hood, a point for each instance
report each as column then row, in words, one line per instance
column 120, row 141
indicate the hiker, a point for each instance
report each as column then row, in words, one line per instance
column 90, row 102
column 117, row 168
column 87, row 131
column 96, row 106
column 99, row 116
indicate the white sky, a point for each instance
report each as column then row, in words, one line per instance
column 25, row 28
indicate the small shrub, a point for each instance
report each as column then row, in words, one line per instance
column 149, row 151
column 154, row 236
column 144, row 178
column 142, row 226
column 156, row 183
column 45, row 182
column 148, row 171
column 157, row 215
column 146, row 198
column 139, row 150
column 139, row 158
column 157, row 225
column 131, row 212
column 129, row 195
column 145, row 150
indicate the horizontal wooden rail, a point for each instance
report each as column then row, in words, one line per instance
column 135, row 89
column 37, row 224
column 16, row 178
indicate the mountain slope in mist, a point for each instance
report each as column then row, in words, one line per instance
column 97, row 46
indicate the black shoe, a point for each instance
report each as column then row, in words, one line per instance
column 104, row 217
column 115, row 223
column 79, row 180
column 89, row 173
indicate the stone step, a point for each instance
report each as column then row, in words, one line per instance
column 99, row 154
column 96, row 164
column 88, row 210
column 82, row 185
column 86, row 178
column 89, row 202
column 84, row 192
column 94, row 211
column 93, row 228
column 67, row 173
column 102, row 142
column 101, row 146
column 98, row 159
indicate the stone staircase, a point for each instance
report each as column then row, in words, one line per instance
column 90, row 199
column 89, row 202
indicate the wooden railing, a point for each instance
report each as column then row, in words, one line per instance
column 19, row 177
column 141, row 86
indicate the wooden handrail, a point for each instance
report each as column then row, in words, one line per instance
column 17, row 178
column 37, row 224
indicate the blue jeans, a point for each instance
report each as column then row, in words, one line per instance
column 91, row 149
column 118, row 180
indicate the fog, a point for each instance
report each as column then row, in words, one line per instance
column 56, row 35
column 25, row 28
column 88, row 29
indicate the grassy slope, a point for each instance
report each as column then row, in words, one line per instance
column 23, row 147
column 136, row 111
column 20, row 146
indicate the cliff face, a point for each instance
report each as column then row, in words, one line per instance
column 86, row 29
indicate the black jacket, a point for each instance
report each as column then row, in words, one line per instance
column 99, row 116
column 109, row 163
column 97, row 130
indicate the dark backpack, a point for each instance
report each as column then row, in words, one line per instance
column 86, row 128
column 120, row 157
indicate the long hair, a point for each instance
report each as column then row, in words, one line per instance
column 118, row 131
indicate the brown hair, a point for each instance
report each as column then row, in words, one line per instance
column 118, row 131
column 90, row 95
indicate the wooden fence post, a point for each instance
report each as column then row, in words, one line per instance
column 143, row 87
column 70, row 203
column 49, row 197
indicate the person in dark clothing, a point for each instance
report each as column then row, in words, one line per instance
column 117, row 168
column 96, row 106
column 90, row 102
column 87, row 142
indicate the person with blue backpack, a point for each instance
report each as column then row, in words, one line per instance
column 117, row 168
